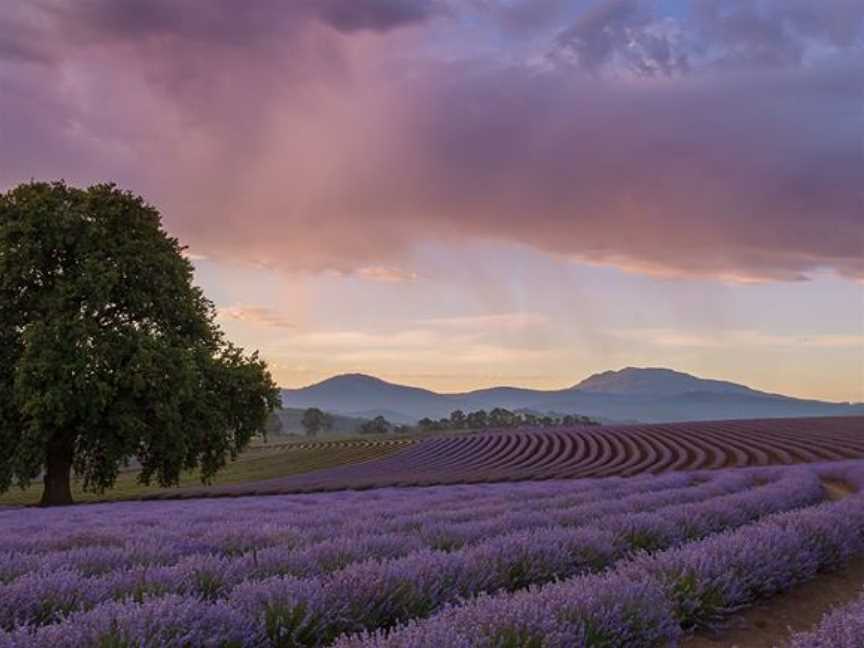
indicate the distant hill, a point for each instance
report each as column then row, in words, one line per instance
column 644, row 394
column 364, row 397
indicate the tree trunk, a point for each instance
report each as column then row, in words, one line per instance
column 58, row 473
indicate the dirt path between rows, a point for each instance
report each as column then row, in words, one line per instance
column 770, row 623
column 837, row 489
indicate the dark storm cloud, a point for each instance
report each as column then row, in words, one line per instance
column 750, row 175
column 44, row 30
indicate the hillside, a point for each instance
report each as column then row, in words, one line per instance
column 643, row 394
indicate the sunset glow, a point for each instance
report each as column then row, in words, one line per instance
column 456, row 195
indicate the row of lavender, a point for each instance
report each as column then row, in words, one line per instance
column 44, row 585
column 581, row 452
column 841, row 628
column 237, row 600
column 654, row 599
column 103, row 538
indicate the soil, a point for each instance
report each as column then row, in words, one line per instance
column 837, row 489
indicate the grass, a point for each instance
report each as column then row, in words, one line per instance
column 264, row 461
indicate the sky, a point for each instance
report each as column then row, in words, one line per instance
column 456, row 194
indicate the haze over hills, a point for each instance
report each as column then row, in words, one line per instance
column 643, row 394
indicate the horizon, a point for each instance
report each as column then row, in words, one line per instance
column 467, row 195
column 572, row 385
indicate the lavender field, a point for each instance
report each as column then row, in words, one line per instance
column 431, row 324
column 636, row 561
column 577, row 453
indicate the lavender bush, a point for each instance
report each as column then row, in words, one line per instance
column 695, row 585
column 505, row 560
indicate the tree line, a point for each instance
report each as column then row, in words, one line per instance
column 501, row 418
column 316, row 420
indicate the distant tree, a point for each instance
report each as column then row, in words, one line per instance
column 426, row 424
column 315, row 421
column 108, row 352
column 378, row 425
column 457, row 419
column 502, row 418
column 477, row 420
column 382, row 425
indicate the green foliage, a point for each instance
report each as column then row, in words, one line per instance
column 695, row 605
column 517, row 637
column 108, row 351
column 289, row 626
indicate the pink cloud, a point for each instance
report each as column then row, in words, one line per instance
column 259, row 315
column 317, row 136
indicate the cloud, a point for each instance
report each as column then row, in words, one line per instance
column 617, row 30
column 723, row 175
column 341, row 135
column 741, row 338
column 387, row 274
column 220, row 22
column 520, row 17
column 502, row 322
column 257, row 315
column 626, row 35
column 411, row 349
column 776, row 32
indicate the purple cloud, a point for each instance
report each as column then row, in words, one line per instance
column 320, row 136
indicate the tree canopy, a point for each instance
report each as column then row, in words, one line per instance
column 108, row 352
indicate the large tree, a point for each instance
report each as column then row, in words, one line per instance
column 108, row 352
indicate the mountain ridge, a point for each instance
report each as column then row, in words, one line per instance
column 657, row 380
column 651, row 394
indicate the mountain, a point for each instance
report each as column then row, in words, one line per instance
column 655, row 381
column 644, row 394
column 361, row 395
